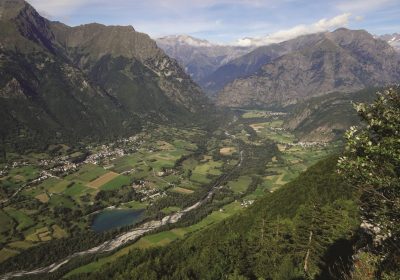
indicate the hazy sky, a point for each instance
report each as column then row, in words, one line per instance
column 229, row 21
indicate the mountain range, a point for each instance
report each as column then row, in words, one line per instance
column 316, row 77
column 62, row 83
column 214, row 66
column 392, row 39
column 199, row 57
column 340, row 61
column 90, row 81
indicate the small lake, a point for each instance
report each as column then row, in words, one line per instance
column 115, row 218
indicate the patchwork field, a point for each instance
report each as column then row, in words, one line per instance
column 116, row 183
column 42, row 197
column 167, row 161
column 102, row 180
column 202, row 172
column 181, row 190
column 227, row 151
column 273, row 130
column 87, row 173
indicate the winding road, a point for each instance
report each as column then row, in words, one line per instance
column 131, row 235
column 116, row 242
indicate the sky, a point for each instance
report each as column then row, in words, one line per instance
column 238, row 22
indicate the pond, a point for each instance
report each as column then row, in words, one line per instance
column 115, row 218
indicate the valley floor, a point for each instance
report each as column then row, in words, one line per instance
column 54, row 196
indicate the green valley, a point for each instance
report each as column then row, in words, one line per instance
column 261, row 157
column 161, row 170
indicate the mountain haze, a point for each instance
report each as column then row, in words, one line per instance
column 340, row 61
column 199, row 57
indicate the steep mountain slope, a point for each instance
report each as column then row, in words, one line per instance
column 340, row 61
column 62, row 83
column 326, row 118
column 250, row 63
column 199, row 57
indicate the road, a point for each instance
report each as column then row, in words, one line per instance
column 131, row 235
column 116, row 242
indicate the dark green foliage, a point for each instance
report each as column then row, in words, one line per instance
column 51, row 108
column 371, row 163
column 269, row 240
column 40, row 256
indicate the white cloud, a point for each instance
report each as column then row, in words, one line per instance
column 286, row 34
column 359, row 18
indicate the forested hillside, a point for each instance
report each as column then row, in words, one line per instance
column 61, row 84
column 297, row 232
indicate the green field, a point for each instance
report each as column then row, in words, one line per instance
column 60, row 186
column 21, row 244
column 6, row 222
column 202, row 172
column 116, row 183
column 75, row 190
column 87, row 173
column 171, row 209
column 254, row 114
column 240, row 185
column 23, row 220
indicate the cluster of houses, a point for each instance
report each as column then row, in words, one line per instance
column 246, row 203
column 66, row 167
column 149, row 193
column 43, row 176
column 15, row 164
column 115, row 150
column 304, row 145
column 276, row 128
column 59, row 165
column 310, row 144
column 4, row 172
column 276, row 113
column 106, row 152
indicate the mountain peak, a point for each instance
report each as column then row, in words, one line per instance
column 99, row 39
column 340, row 61
column 185, row 40
column 95, row 25
column 10, row 9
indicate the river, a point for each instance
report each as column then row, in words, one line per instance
column 131, row 235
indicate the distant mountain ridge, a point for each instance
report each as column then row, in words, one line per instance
column 392, row 39
column 250, row 63
column 89, row 81
column 202, row 59
column 340, row 61
column 199, row 57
